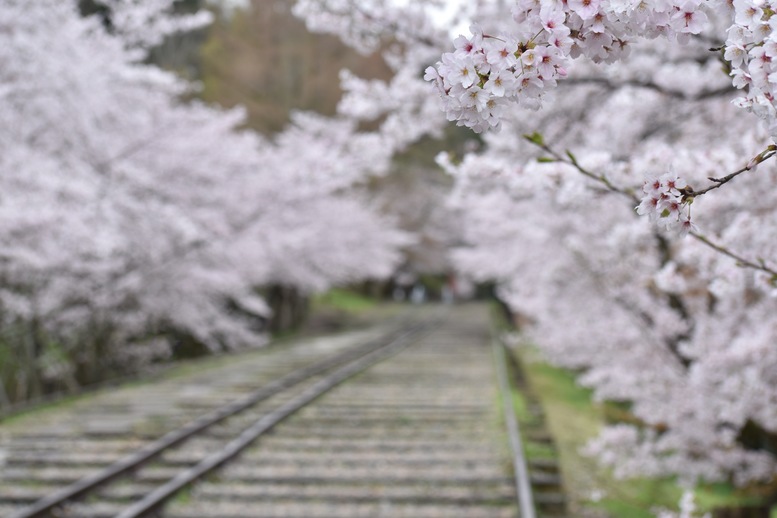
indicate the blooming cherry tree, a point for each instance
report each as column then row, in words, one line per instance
column 128, row 213
column 532, row 57
column 610, row 110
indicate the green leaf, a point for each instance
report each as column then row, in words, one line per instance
column 535, row 138
column 545, row 160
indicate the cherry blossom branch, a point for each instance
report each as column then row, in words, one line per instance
column 643, row 318
column 347, row 11
column 741, row 261
column 763, row 156
column 769, row 152
column 570, row 159
column 650, row 85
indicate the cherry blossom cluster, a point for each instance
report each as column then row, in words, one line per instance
column 485, row 71
column 751, row 51
column 479, row 79
column 666, row 202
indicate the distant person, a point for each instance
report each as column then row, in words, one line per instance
column 418, row 295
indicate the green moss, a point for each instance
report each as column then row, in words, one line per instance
column 573, row 418
column 722, row 495
column 521, row 408
column 536, row 450
column 344, row 300
column 182, row 497
column 59, row 404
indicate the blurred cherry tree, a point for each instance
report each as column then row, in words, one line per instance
column 135, row 222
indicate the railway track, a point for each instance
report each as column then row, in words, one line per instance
column 415, row 431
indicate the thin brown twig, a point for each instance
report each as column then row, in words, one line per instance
column 570, row 159
column 741, row 261
column 768, row 153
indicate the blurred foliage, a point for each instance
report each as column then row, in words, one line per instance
column 573, row 419
column 344, row 300
column 264, row 58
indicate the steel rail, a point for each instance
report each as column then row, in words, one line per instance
column 159, row 496
column 522, row 482
column 43, row 507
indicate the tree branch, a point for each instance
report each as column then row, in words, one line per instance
column 769, row 152
column 650, row 85
column 741, row 261
column 765, row 155
column 570, row 159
